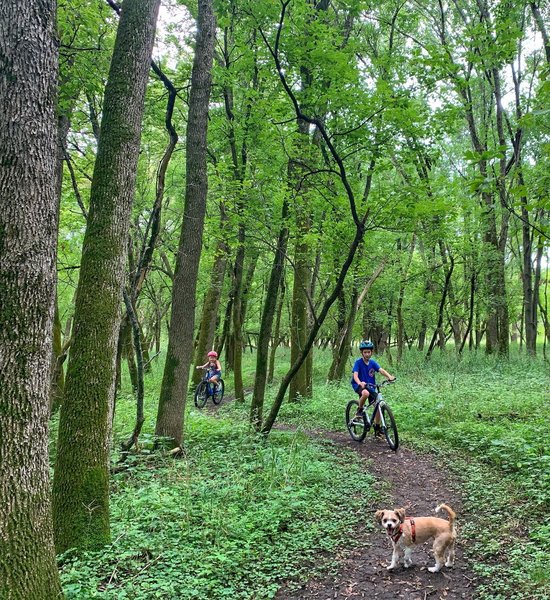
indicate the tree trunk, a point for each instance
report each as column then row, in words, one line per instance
column 58, row 377
column 344, row 343
column 529, row 307
column 210, row 308
column 236, row 338
column 401, row 297
column 302, row 276
column 299, row 319
column 268, row 313
column 276, row 339
column 28, row 238
column 81, row 482
column 441, row 307
column 180, row 341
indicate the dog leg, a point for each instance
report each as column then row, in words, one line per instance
column 394, row 559
column 451, row 555
column 408, row 560
column 439, row 557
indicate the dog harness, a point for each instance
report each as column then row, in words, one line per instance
column 395, row 537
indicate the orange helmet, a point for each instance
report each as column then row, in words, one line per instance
column 212, row 353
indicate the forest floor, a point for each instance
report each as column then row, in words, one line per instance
column 407, row 479
column 416, row 482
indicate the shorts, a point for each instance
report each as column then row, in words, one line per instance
column 216, row 373
column 373, row 394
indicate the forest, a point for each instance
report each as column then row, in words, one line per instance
column 260, row 187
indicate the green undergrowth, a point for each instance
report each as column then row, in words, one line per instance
column 489, row 419
column 233, row 518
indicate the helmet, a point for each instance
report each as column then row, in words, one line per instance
column 212, row 353
column 366, row 345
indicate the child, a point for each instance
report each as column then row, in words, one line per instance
column 214, row 368
column 363, row 378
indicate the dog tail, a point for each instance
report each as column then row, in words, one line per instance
column 450, row 512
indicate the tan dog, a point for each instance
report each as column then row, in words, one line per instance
column 406, row 532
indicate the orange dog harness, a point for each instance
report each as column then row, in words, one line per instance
column 395, row 537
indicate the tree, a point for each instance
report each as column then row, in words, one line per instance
column 182, row 320
column 28, row 229
column 81, row 480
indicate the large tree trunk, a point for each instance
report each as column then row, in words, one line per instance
column 82, row 469
column 182, row 321
column 28, row 237
column 302, row 273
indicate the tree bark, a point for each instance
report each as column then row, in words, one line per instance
column 276, row 339
column 210, row 306
column 400, row 325
column 179, row 354
column 441, row 307
column 81, row 481
column 268, row 312
column 28, row 238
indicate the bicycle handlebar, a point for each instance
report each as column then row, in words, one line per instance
column 386, row 382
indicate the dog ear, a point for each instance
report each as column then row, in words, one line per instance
column 379, row 514
column 400, row 512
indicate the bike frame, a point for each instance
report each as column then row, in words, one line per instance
column 377, row 404
column 205, row 378
column 366, row 421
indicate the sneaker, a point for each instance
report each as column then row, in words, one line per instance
column 377, row 430
column 360, row 414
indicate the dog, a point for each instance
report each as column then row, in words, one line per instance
column 406, row 532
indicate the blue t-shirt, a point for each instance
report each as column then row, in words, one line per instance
column 365, row 371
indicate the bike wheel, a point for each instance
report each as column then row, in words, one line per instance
column 357, row 426
column 201, row 394
column 217, row 395
column 389, row 428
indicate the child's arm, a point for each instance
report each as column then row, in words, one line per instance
column 386, row 374
column 218, row 365
column 202, row 366
column 356, row 378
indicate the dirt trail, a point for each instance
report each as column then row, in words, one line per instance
column 414, row 481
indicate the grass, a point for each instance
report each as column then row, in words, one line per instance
column 488, row 420
column 238, row 515
column 233, row 518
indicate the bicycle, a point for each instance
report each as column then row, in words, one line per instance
column 358, row 426
column 206, row 390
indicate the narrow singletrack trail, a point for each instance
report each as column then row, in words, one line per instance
column 412, row 480
column 408, row 479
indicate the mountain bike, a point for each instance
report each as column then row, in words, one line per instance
column 206, row 390
column 358, row 426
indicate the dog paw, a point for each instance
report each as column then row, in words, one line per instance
column 449, row 564
column 408, row 565
column 433, row 569
column 391, row 567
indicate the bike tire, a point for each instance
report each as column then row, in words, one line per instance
column 357, row 426
column 217, row 396
column 390, row 428
column 201, row 394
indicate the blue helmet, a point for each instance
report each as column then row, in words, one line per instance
column 366, row 345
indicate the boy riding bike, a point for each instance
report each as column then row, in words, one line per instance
column 214, row 368
column 363, row 379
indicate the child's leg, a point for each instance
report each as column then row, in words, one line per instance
column 363, row 399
